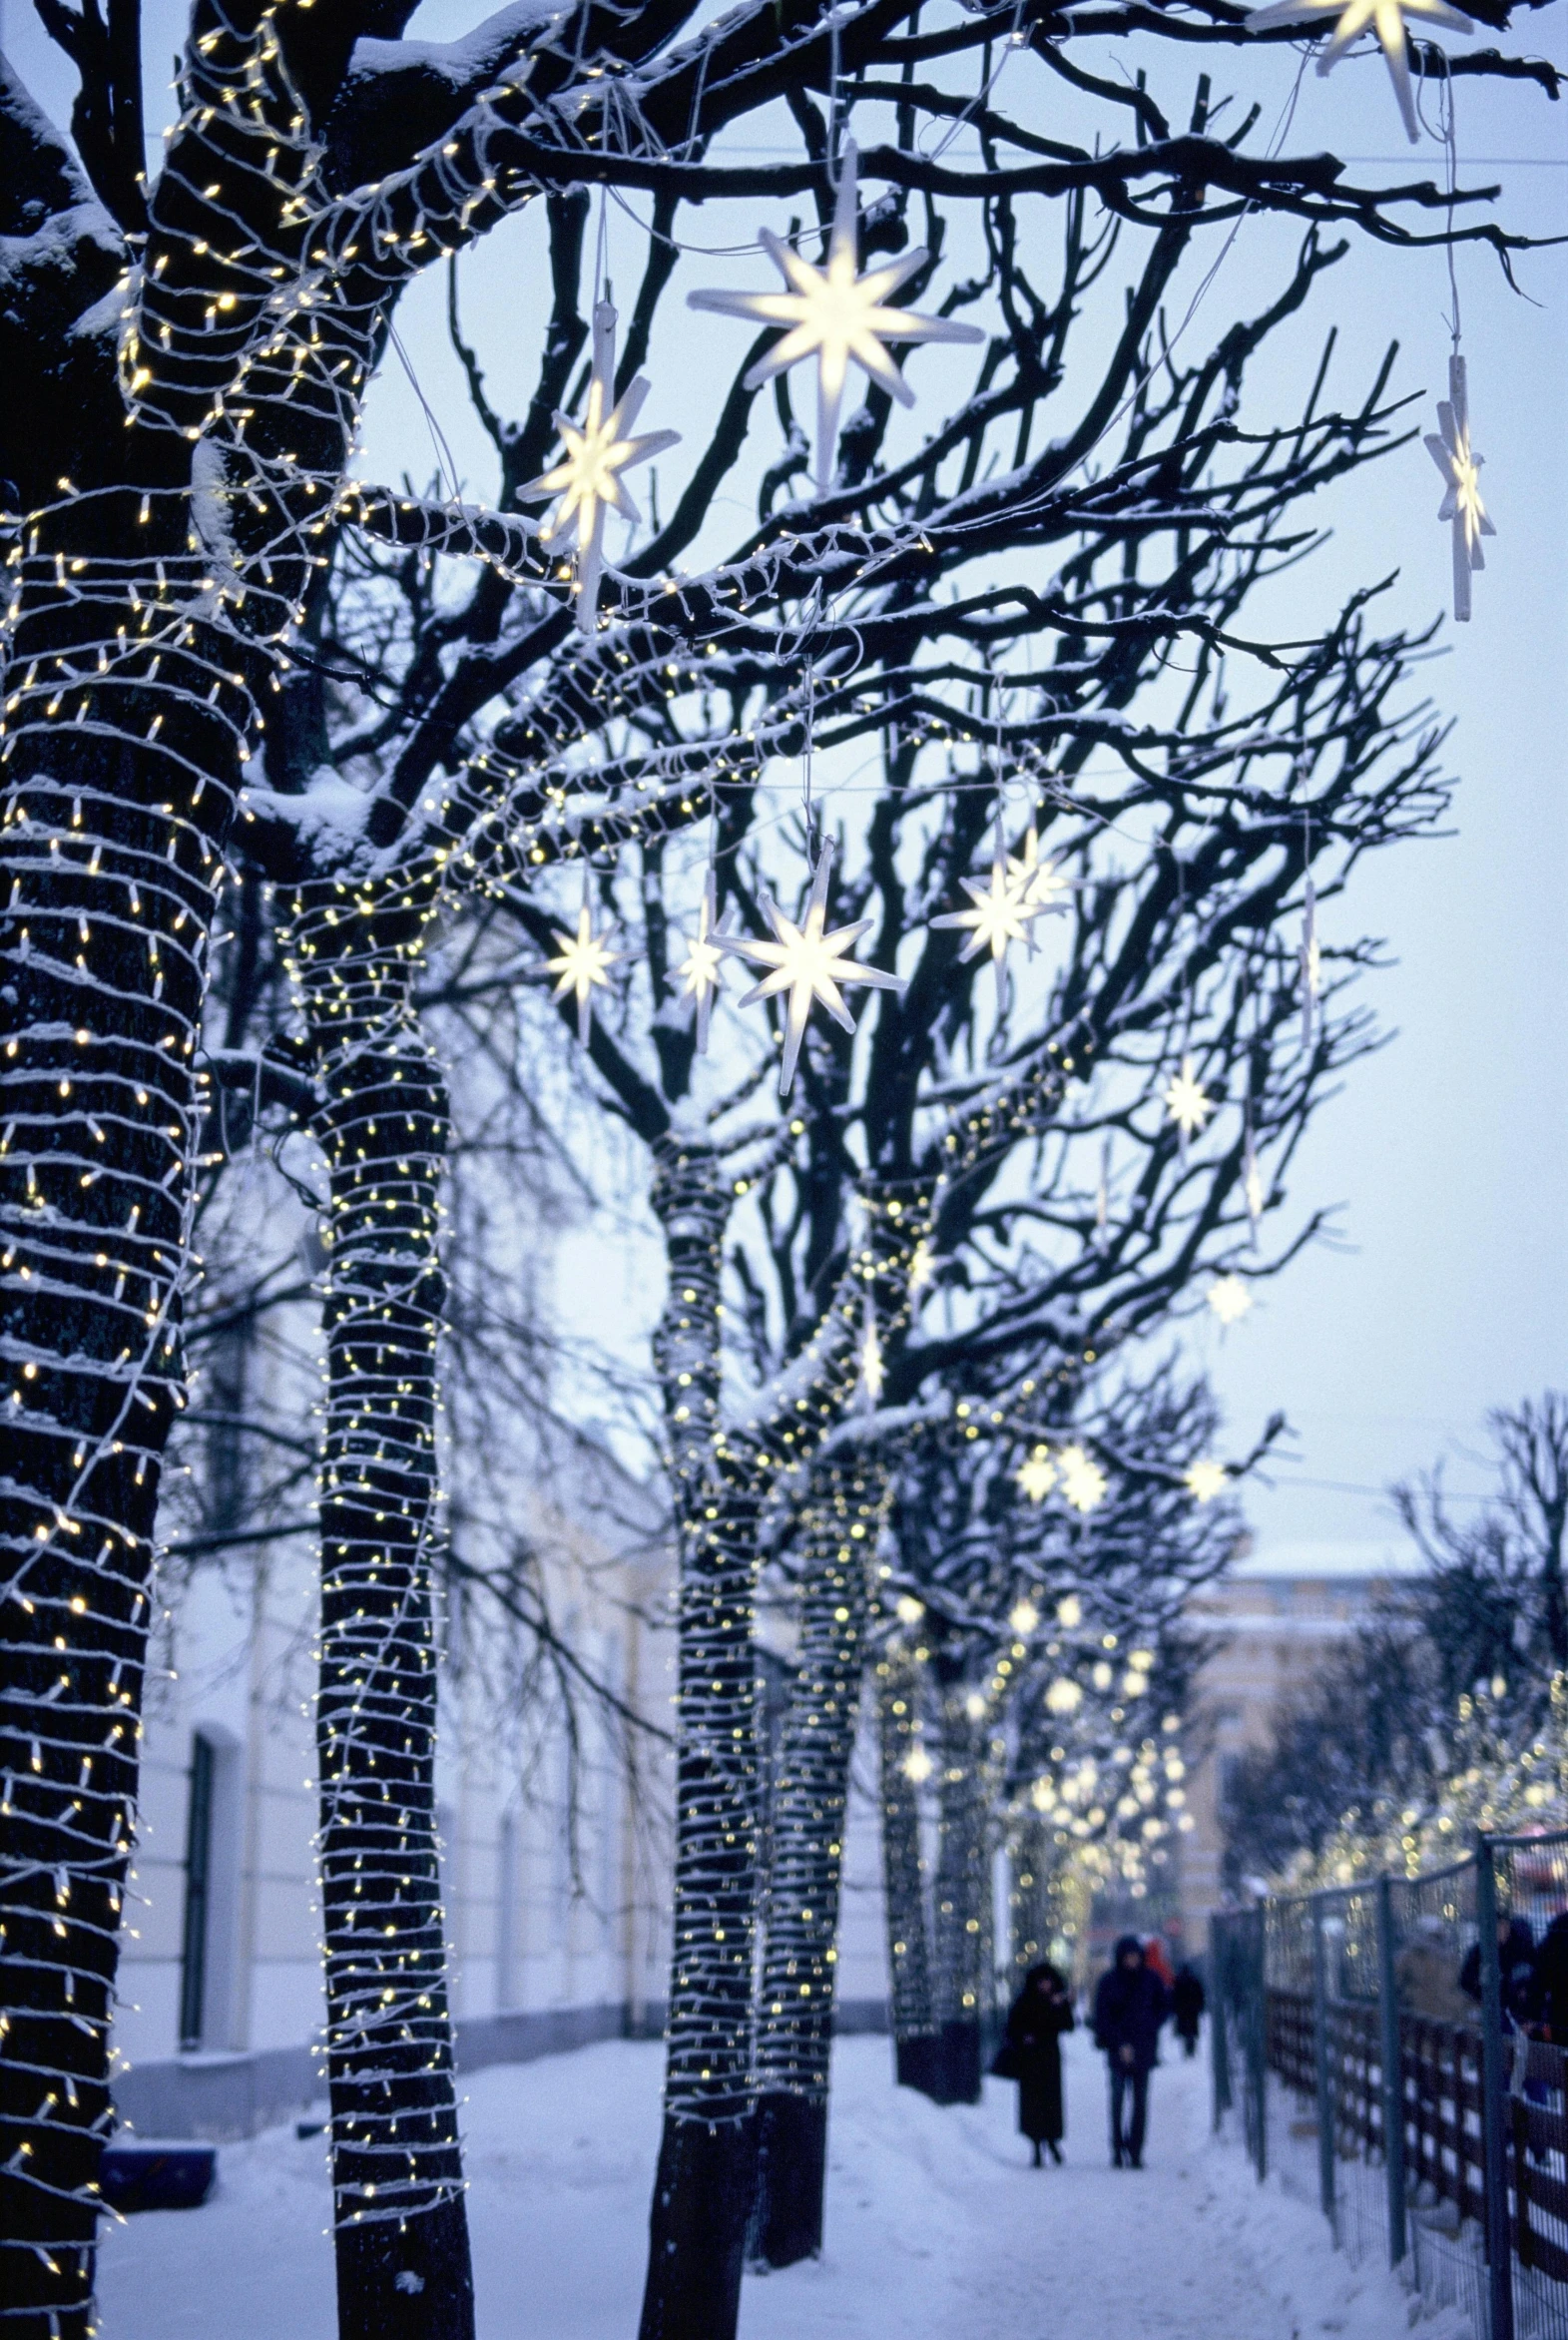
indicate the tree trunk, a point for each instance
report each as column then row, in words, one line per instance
column 800, row 1963
column 401, row 2227
column 960, row 1929
column 903, row 1878
column 118, row 777
column 702, row 2196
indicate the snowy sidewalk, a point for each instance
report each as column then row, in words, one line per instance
column 935, row 2223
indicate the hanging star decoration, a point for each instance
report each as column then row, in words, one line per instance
column 1385, row 18
column 998, row 915
column 1036, row 1475
column 1036, row 883
column 809, row 965
column 1187, row 1101
column 588, row 481
column 918, row 1765
column 834, row 314
column 1205, row 1480
column 701, row 972
column 1229, row 1299
column 1083, row 1481
column 1311, row 960
column 583, row 962
column 1253, row 1190
column 1462, row 506
column 869, row 1357
column 922, row 1266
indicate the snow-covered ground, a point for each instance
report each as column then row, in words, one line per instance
column 935, row 2224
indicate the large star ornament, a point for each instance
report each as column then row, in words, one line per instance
column 834, row 314
column 1459, row 465
column 583, row 963
column 588, row 480
column 809, row 965
column 701, row 972
column 1385, row 18
column 1187, row 1101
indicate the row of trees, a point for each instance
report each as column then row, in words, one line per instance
column 927, row 1272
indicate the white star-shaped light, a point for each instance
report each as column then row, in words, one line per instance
column 1037, row 883
column 1205, row 1480
column 922, row 1266
column 809, row 965
column 588, row 480
column 998, row 915
column 1024, row 1617
column 1187, row 1101
column 1462, row 506
column 836, row 314
column 1385, row 18
column 1229, row 1299
column 918, row 1765
column 1064, row 1696
column 701, row 972
column 1083, row 1481
column 583, row 963
column 1036, row 1475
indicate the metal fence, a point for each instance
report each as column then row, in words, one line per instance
column 1377, row 2049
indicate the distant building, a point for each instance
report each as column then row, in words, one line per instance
column 1278, row 1617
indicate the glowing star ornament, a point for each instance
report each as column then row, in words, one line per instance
column 809, row 965
column 587, row 481
column 1024, row 1617
column 701, row 972
column 907, row 1609
column 918, row 1765
column 1385, row 18
column 1205, row 1480
column 1083, row 1481
column 1229, row 1299
column 1036, row 1476
column 1064, row 1696
column 997, row 915
column 583, row 963
column 836, row 314
column 1036, row 883
column 1187, row 1101
column 922, row 1266
column 1462, row 504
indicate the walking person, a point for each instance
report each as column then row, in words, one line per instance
column 1128, row 2008
column 1032, row 2054
column 1187, row 2006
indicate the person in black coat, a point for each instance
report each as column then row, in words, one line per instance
column 1516, row 1961
column 1187, row 2006
column 1041, row 2012
column 1128, row 2008
column 1548, row 1994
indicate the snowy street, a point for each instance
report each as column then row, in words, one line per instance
column 934, row 2222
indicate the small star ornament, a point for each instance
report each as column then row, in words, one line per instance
column 1229, row 1299
column 1083, row 1481
column 1205, row 1480
column 809, row 965
column 1385, row 18
column 1187, row 1101
column 1038, row 884
column 583, row 963
column 997, row 914
column 588, row 481
column 1036, row 1475
column 701, row 972
column 1462, row 506
column 834, row 314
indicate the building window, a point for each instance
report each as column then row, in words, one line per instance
column 198, row 1893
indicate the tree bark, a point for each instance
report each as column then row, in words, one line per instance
column 903, row 1878
column 702, row 2196
column 811, row 1801
column 960, row 1931
column 400, row 2224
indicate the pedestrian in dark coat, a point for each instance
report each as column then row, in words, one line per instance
column 1041, row 2012
column 1516, row 1967
column 1128, row 2008
column 1548, row 1997
column 1187, row 2006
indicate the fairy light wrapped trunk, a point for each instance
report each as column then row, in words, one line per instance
column 400, row 2227
column 804, row 1882
column 904, row 1896
column 703, row 2188
column 960, row 1931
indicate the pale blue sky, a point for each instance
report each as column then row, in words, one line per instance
column 1448, row 1292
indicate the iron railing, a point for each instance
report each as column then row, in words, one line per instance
column 1368, row 2055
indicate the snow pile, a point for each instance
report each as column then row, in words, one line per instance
column 935, row 2224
